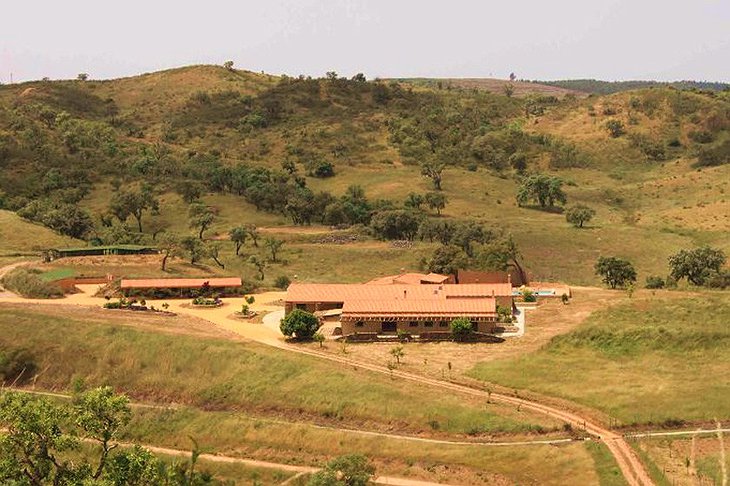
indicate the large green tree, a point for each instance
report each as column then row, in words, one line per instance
column 615, row 272
column 134, row 203
column 299, row 324
column 696, row 265
column 579, row 214
column 546, row 190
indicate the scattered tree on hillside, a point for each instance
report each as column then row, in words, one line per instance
column 396, row 224
column 228, row 65
column 433, row 169
column 190, row 190
column 545, row 189
column 201, row 217
column 579, row 214
column 274, row 246
column 170, row 246
column 82, row 76
column 447, row 260
column 414, row 201
column 615, row 128
column 518, row 161
column 260, row 265
column 194, row 248
column 253, row 233
column 615, row 272
column 359, row 77
column 134, row 203
column 509, row 90
column 436, row 201
column 299, row 324
column 696, row 265
column 214, row 250
column 238, row 235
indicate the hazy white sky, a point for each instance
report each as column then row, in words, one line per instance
column 537, row 39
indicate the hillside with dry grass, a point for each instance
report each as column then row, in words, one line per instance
column 277, row 151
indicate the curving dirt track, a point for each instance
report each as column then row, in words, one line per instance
column 630, row 465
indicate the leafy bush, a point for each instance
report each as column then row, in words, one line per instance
column 615, row 128
column 282, row 282
column 299, row 324
column 461, row 329
column 529, row 296
column 718, row 280
column 28, row 284
column 349, row 470
column 654, row 282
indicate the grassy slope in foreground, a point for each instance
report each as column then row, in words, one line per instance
column 219, row 374
column 649, row 360
column 20, row 236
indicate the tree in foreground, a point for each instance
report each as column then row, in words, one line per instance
column 41, row 444
column 461, row 329
column 544, row 189
column 170, row 246
column 697, row 265
column 349, row 470
column 579, row 214
column 299, row 324
column 615, row 272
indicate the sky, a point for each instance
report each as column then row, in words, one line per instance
column 535, row 39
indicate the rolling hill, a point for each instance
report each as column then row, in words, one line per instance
column 277, row 151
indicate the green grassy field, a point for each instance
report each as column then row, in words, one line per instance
column 21, row 237
column 219, row 374
column 235, row 434
column 650, row 360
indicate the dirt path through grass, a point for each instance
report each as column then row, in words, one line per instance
column 627, row 460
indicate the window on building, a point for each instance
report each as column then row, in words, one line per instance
column 359, row 324
column 428, row 323
column 413, row 324
column 302, row 306
column 443, row 324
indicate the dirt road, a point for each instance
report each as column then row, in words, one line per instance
column 628, row 462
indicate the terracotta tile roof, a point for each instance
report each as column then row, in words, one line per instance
column 179, row 283
column 421, row 308
column 335, row 293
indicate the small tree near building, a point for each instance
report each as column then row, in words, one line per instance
column 461, row 329
column 579, row 214
column 299, row 324
column 397, row 352
column 615, row 272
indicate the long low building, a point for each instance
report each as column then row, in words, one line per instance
column 416, row 309
column 151, row 285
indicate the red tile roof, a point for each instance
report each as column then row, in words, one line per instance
column 334, row 293
column 421, row 308
column 180, row 283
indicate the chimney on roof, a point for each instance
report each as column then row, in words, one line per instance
column 405, row 293
column 509, row 278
